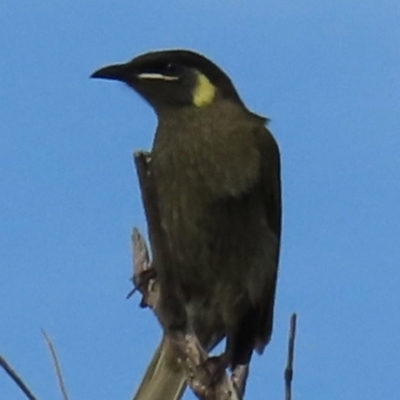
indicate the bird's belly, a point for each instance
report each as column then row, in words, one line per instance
column 219, row 254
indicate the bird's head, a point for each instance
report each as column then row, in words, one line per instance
column 173, row 79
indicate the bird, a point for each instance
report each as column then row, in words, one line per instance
column 217, row 176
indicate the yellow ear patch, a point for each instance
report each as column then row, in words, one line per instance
column 204, row 92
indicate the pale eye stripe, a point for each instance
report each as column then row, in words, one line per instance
column 148, row 75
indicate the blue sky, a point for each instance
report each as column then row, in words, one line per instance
column 326, row 73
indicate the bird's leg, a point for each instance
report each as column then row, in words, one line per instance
column 202, row 376
column 188, row 347
column 195, row 350
column 200, row 369
column 215, row 367
column 212, row 382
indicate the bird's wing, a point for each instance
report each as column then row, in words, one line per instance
column 270, row 177
column 253, row 330
column 270, row 181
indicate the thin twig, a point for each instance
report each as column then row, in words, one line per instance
column 57, row 366
column 18, row 381
column 290, row 358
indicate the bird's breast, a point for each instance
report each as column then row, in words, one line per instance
column 203, row 173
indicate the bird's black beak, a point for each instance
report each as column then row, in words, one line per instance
column 117, row 72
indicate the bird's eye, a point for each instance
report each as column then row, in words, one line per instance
column 172, row 69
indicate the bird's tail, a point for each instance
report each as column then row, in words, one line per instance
column 164, row 379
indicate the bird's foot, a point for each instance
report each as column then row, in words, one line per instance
column 213, row 377
column 212, row 381
column 206, row 375
column 212, row 370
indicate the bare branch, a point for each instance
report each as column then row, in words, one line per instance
column 18, row 381
column 57, row 366
column 144, row 276
column 290, row 358
column 239, row 378
column 149, row 200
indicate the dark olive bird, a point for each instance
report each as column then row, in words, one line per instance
column 216, row 171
